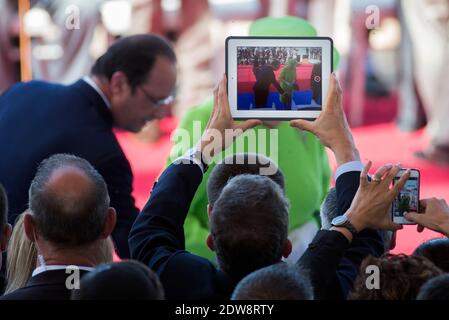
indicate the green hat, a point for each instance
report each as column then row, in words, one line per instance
column 287, row 26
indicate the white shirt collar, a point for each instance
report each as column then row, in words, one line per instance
column 92, row 83
column 41, row 269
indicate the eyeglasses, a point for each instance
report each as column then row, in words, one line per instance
column 160, row 102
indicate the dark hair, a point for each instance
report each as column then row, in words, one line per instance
column 329, row 211
column 134, row 56
column 276, row 282
column 400, row 277
column 437, row 251
column 125, row 280
column 68, row 219
column 435, row 289
column 236, row 164
column 275, row 62
column 249, row 224
column 3, row 210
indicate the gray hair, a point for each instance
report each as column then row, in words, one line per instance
column 68, row 220
column 329, row 210
column 249, row 223
column 276, row 282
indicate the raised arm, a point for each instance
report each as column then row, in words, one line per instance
column 158, row 232
column 334, row 256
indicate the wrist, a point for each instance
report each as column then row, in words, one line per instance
column 345, row 232
column 355, row 220
column 346, row 152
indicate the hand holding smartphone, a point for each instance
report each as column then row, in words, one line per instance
column 408, row 198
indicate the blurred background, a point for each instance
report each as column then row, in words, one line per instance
column 392, row 67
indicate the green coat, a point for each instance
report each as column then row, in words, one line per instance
column 287, row 80
column 301, row 158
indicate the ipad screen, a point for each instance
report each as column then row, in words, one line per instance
column 279, row 78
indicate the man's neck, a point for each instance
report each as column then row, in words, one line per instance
column 102, row 85
column 83, row 256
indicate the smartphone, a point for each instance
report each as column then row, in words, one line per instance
column 408, row 198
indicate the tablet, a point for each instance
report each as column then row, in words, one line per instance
column 277, row 78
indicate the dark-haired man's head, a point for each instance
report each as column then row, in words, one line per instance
column 138, row 75
column 437, row 251
column 392, row 277
column 435, row 289
column 249, row 225
column 241, row 163
column 125, row 280
column 5, row 227
column 275, row 64
column 329, row 210
column 277, row 282
column 69, row 211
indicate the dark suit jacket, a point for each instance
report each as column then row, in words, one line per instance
column 48, row 285
column 157, row 238
column 39, row 119
column 332, row 262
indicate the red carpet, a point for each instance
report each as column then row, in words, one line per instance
column 380, row 143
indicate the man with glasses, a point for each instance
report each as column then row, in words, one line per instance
column 131, row 84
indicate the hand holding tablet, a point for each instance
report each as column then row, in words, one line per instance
column 277, row 78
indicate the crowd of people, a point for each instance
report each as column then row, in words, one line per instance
column 76, row 208
column 266, row 55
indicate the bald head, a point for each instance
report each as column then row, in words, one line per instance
column 68, row 200
column 71, row 186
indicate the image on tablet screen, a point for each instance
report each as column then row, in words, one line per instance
column 279, row 78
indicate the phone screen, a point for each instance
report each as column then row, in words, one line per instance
column 408, row 198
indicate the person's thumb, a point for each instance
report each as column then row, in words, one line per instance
column 248, row 124
column 413, row 216
column 302, row 124
column 394, row 226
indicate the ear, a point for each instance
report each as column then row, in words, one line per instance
column 210, row 242
column 6, row 236
column 287, row 248
column 109, row 224
column 209, row 210
column 30, row 228
column 118, row 84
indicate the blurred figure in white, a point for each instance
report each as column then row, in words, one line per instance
column 62, row 51
column 428, row 25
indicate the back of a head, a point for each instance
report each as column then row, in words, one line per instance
column 249, row 224
column 241, row 163
column 135, row 56
column 277, row 282
column 435, row 289
column 126, row 280
column 400, row 277
column 3, row 210
column 69, row 201
column 437, row 251
column 329, row 210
